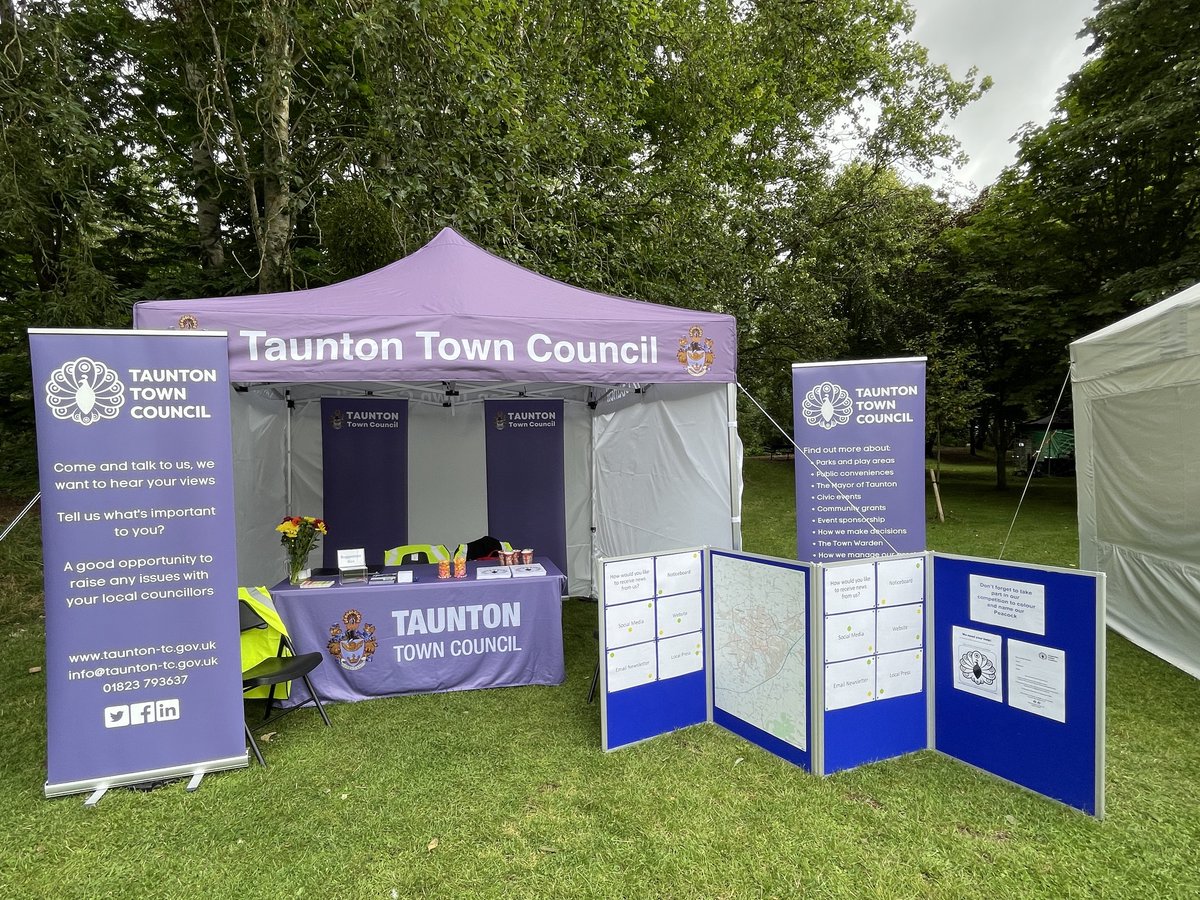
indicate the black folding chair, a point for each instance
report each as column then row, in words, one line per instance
column 596, row 673
column 276, row 670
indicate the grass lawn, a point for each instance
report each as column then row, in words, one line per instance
column 505, row 793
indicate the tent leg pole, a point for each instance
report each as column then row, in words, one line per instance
column 735, row 469
column 287, row 454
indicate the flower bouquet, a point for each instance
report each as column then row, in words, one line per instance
column 299, row 536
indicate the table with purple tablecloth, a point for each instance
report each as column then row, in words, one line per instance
column 383, row 640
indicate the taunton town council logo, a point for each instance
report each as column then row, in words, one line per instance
column 353, row 642
column 696, row 351
column 827, row 405
column 84, row 391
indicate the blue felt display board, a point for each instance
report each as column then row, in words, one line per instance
column 882, row 728
column 638, row 713
column 759, row 736
column 660, row 706
column 874, row 731
column 1059, row 760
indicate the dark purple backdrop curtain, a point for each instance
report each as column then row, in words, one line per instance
column 525, row 476
column 364, row 456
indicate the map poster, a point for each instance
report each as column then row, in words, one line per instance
column 860, row 458
column 760, row 649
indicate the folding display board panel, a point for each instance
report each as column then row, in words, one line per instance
column 760, row 660
column 1018, row 674
column 654, row 656
column 999, row 665
column 869, row 660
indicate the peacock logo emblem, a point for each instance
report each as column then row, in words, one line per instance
column 827, row 405
column 85, row 391
column 977, row 667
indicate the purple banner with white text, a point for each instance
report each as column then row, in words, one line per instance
column 860, row 466
column 525, row 481
column 429, row 635
column 364, row 458
column 143, row 659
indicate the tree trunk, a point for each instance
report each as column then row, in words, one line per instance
column 1002, row 434
column 275, row 272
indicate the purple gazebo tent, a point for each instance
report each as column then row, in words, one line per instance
column 652, row 456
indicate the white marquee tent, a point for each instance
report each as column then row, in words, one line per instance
column 1136, row 387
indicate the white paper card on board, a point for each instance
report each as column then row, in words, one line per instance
column 900, row 581
column 849, row 588
column 899, row 628
column 629, row 623
column 1009, row 604
column 850, row 635
column 680, row 614
column 352, row 559
column 628, row 579
column 899, row 674
column 678, row 573
column 977, row 665
column 1037, row 679
column 631, row 666
column 680, row 655
column 849, row 683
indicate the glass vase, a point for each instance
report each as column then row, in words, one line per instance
column 298, row 569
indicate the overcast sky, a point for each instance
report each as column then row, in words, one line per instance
column 1029, row 47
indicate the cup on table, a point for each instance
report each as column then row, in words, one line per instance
column 527, row 556
column 443, row 568
column 460, row 567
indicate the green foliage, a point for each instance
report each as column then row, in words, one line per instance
column 1098, row 218
column 673, row 150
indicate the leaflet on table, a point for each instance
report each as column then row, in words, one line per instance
column 528, row 571
column 316, row 583
column 489, row 572
column 404, row 577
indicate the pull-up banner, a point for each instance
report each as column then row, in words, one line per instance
column 364, row 460
column 526, row 487
column 143, row 661
column 860, row 430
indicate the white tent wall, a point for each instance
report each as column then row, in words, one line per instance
column 1136, row 390
column 651, row 471
column 663, row 466
column 260, row 483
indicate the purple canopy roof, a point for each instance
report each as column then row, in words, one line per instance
column 453, row 311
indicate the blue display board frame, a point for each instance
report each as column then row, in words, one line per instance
column 886, row 726
column 765, row 737
column 633, row 626
column 1026, row 640
column 1063, row 760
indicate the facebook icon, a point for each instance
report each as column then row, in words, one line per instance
column 141, row 713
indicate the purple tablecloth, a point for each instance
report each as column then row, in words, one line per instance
column 428, row 636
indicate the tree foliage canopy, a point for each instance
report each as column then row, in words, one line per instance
column 674, row 150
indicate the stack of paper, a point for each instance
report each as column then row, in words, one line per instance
column 486, row 572
column 528, row 571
